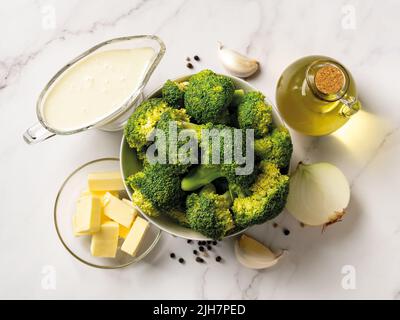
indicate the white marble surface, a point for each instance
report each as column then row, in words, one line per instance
column 275, row 32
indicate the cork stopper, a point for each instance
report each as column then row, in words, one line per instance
column 329, row 79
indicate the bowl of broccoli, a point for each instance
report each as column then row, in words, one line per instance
column 206, row 200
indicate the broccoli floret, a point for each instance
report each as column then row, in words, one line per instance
column 179, row 216
column 159, row 184
column 181, row 119
column 205, row 173
column 173, row 92
column 207, row 96
column 208, row 213
column 143, row 121
column 276, row 148
column 267, row 199
column 254, row 113
column 145, row 205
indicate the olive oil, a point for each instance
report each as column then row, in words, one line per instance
column 316, row 95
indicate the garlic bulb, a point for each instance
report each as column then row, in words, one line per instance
column 318, row 194
column 254, row 255
column 236, row 63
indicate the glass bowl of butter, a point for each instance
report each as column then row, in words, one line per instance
column 95, row 220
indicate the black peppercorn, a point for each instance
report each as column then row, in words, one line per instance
column 214, row 243
column 189, row 241
column 200, row 260
column 196, row 57
column 189, row 65
column 209, row 247
column 218, row 259
column 195, row 252
column 172, row 255
column 286, row 232
column 201, row 248
column 181, row 260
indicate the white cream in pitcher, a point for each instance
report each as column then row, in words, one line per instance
column 95, row 87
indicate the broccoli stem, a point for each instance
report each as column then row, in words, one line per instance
column 236, row 193
column 237, row 97
column 228, row 197
column 200, row 176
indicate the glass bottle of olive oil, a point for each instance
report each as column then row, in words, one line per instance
column 316, row 95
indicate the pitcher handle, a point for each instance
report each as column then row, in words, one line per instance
column 37, row 133
column 351, row 105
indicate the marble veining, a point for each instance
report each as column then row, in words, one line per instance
column 38, row 37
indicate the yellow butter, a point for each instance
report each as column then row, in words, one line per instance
column 76, row 233
column 135, row 236
column 105, row 181
column 128, row 202
column 105, row 242
column 123, row 232
column 99, row 194
column 87, row 217
column 104, row 218
column 118, row 210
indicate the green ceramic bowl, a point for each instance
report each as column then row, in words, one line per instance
column 130, row 164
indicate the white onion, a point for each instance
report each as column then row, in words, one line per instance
column 318, row 194
column 254, row 255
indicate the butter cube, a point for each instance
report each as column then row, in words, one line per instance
column 104, row 243
column 99, row 194
column 118, row 210
column 128, row 202
column 135, row 236
column 123, row 232
column 105, row 181
column 87, row 217
column 76, row 233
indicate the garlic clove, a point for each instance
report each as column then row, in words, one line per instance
column 254, row 255
column 318, row 194
column 236, row 63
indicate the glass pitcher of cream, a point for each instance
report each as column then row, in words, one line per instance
column 98, row 89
